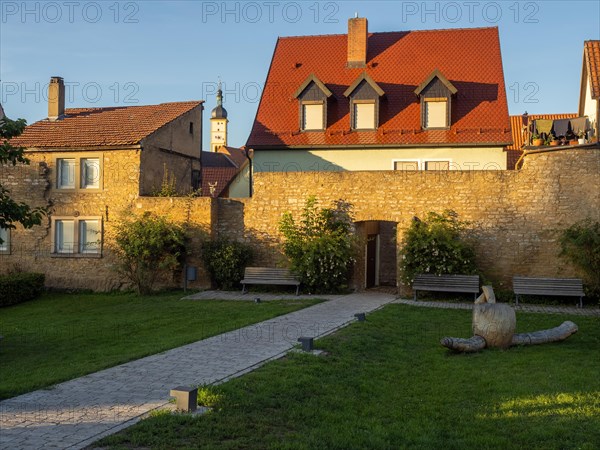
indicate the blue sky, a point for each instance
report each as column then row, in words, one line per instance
column 146, row 52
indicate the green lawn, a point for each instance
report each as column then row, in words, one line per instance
column 63, row 336
column 388, row 384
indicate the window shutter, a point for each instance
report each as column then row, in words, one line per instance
column 435, row 114
column 312, row 116
column 364, row 116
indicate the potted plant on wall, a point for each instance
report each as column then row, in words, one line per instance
column 536, row 140
column 581, row 139
column 552, row 141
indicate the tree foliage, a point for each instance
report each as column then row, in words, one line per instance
column 435, row 245
column 147, row 247
column 225, row 261
column 580, row 244
column 12, row 212
column 321, row 245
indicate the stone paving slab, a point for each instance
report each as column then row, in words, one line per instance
column 250, row 296
column 73, row 414
column 545, row 309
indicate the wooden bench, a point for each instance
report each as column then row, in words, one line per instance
column 568, row 287
column 267, row 275
column 446, row 283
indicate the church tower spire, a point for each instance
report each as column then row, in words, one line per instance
column 218, row 123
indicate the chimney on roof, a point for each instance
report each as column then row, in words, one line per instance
column 56, row 98
column 357, row 42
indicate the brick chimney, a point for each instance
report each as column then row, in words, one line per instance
column 56, row 98
column 357, row 42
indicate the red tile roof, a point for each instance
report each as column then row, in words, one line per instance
column 215, row 180
column 220, row 168
column 514, row 152
column 91, row 127
column 592, row 51
column 398, row 62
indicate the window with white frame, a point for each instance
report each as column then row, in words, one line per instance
column 364, row 116
column 437, row 165
column 65, row 173
column 406, row 165
column 5, row 238
column 77, row 236
column 90, row 173
column 312, row 116
column 436, row 115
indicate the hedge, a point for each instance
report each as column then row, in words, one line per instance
column 20, row 287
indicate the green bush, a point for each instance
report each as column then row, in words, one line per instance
column 225, row 261
column 20, row 287
column 580, row 244
column 435, row 245
column 147, row 247
column 321, row 246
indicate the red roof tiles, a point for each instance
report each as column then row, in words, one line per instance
column 592, row 51
column 91, row 127
column 398, row 62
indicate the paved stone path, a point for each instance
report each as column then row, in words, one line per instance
column 545, row 309
column 74, row 414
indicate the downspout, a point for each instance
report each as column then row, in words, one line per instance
column 248, row 151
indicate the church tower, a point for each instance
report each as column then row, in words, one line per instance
column 218, row 123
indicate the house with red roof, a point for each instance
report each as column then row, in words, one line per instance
column 410, row 100
column 589, row 95
column 224, row 172
column 88, row 166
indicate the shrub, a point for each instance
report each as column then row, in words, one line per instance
column 321, row 246
column 580, row 244
column 147, row 247
column 225, row 262
column 435, row 246
column 20, row 287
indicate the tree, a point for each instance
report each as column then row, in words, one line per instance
column 321, row 246
column 147, row 247
column 12, row 212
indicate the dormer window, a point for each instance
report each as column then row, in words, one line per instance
column 436, row 101
column 364, row 95
column 312, row 116
column 312, row 98
column 364, row 115
column 436, row 113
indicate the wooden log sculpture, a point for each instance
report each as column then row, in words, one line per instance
column 494, row 326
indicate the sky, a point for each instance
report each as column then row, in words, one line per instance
column 147, row 52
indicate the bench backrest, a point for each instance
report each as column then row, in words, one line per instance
column 548, row 286
column 470, row 282
column 268, row 273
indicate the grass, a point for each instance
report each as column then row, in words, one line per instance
column 62, row 336
column 388, row 384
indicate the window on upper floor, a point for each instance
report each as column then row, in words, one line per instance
column 5, row 238
column 312, row 98
column 65, row 168
column 436, row 113
column 312, row 116
column 437, row 165
column 76, row 173
column 364, row 116
column 77, row 235
column 406, row 165
column 436, row 93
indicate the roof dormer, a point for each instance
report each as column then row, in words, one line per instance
column 312, row 98
column 364, row 95
column 436, row 101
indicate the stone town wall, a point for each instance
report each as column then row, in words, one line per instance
column 32, row 249
column 515, row 216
